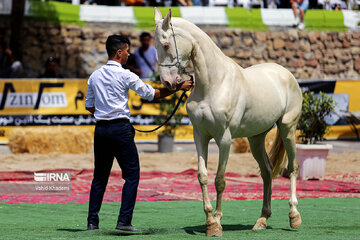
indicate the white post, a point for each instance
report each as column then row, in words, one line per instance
column 75, row 2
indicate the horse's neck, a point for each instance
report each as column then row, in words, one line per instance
column 209, row 62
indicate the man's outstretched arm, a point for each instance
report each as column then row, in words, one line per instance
column 164, row 92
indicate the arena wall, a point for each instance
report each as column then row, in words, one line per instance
column 308, row 54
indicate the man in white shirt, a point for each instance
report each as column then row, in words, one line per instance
column 107, row 99
column 146, row 57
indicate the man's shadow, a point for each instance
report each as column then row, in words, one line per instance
column 70, row 230
column 148, row 231
column 226, row 227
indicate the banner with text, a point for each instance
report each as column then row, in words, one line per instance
column 47, row 102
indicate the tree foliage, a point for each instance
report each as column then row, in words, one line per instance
column 312, row 124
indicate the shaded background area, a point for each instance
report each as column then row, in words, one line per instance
column 56, row 29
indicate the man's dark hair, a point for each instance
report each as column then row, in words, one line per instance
column 114, row 43
column 51, row 59
column 144, row 34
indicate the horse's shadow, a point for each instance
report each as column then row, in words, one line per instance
column 226, row 227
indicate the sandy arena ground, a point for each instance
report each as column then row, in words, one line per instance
column 344, row 158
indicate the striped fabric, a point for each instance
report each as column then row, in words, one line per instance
column 143, row 17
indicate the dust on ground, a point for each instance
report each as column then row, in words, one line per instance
column 184, row 157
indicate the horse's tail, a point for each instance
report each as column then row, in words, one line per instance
column 277, row 154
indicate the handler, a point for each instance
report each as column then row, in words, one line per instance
column 107, row 99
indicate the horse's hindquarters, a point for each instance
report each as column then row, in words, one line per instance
column 271, row 91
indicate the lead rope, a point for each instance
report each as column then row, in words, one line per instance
column 168, row 119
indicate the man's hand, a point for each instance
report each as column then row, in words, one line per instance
column 186, row 85
column 164, row 92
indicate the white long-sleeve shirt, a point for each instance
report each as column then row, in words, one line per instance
column 108, row 91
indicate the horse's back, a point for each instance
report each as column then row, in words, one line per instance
column 290, row 89
column 272, row 74
column 277, row 71
column 284, row 81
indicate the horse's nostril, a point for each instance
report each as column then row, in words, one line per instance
column 167, row 84
column 178, row 79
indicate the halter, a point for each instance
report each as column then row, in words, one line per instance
column 177, row 63
column 182, row 69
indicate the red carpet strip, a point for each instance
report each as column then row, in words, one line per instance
column 167, row 186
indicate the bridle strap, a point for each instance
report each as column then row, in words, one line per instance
column 177, row 63
column 176, row 49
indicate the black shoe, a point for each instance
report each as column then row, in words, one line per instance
column 126, row 227
column 92, row 227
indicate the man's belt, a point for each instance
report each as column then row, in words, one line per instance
column 117, row 120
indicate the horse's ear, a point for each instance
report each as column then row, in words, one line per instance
column 158, row 16
column 167, row 19
column 195, row 49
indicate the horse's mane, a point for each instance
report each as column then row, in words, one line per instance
column 188, row 25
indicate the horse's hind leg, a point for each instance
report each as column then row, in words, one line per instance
column 224, row 144
column 257, row 146
column 288, row 136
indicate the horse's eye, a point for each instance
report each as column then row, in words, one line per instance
column 166, row 46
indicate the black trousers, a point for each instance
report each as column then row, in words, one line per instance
column 114, row 138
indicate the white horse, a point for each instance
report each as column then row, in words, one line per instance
column 229, row 102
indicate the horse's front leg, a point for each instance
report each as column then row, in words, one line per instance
column 224, row 148
column 202, row 150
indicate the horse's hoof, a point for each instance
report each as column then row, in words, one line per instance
column 218, row 217
column 295, row 219
column 260, row 224
column 214, row 230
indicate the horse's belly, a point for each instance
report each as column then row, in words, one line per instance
column 249, row 129
column 256, row 119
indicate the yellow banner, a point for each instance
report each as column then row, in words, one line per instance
column 42, row 97
column 46, row 102
column 353, row 89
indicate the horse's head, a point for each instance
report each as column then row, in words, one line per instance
column 174, row 50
